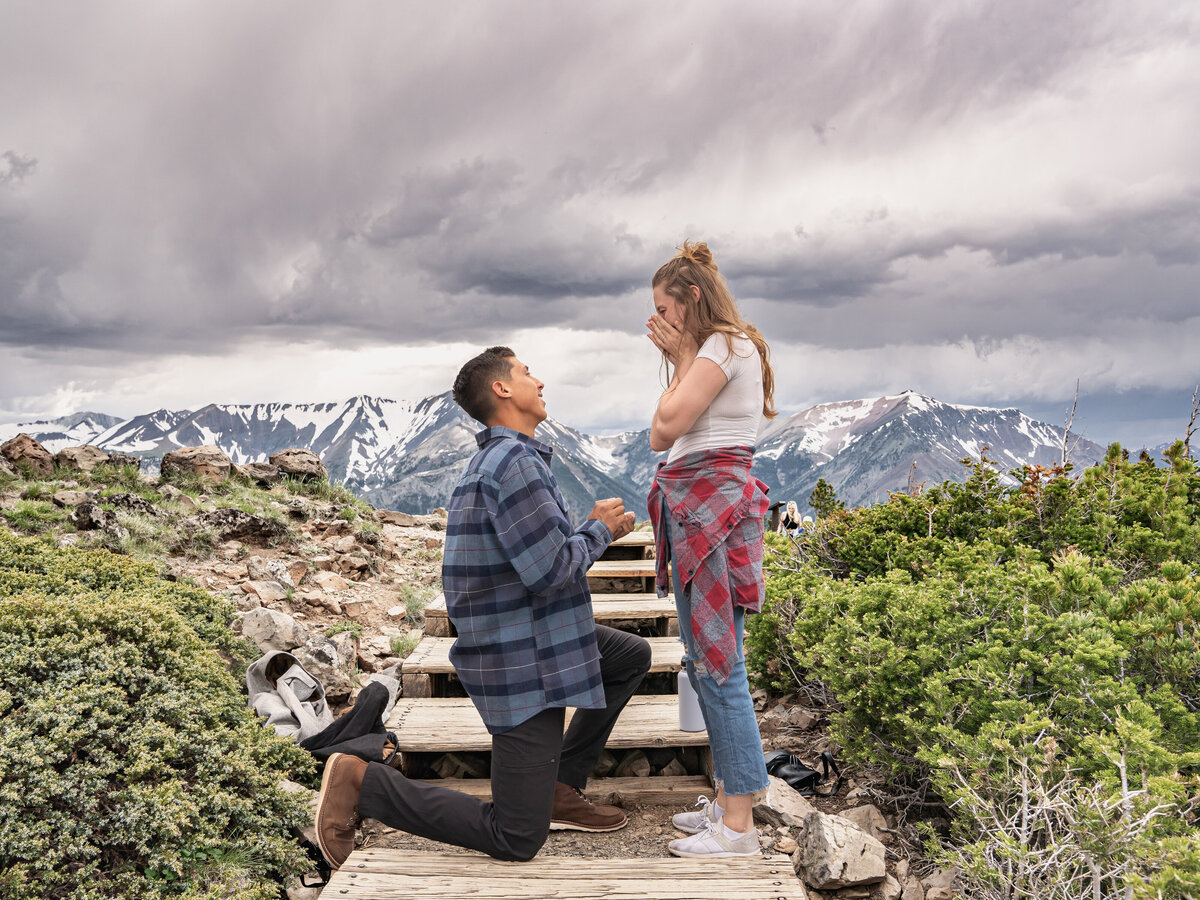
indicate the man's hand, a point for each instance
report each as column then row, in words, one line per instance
column 612, row 513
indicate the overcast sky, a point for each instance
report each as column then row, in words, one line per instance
column 236, row 202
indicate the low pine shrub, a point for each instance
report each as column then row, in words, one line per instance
column 1028, row 652
column 130, row 766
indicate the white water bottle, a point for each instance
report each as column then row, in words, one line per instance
column 690, row 717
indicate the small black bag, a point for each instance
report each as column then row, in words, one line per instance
column 806, row 781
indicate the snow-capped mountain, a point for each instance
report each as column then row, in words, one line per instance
column 66, row 431
column 866, row 448
column 408, row 455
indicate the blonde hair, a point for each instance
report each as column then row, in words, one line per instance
column 693, row 266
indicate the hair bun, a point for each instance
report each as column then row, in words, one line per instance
column 698, row 253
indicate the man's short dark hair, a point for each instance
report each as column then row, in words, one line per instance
column 473, row 386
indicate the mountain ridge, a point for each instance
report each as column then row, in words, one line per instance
column 407, row 455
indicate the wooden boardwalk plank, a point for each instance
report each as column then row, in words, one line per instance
column 622, row 568
column 452, row 724
column 635, row 539
column 380, row 874
column 432, row 656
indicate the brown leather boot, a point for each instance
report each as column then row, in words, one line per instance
column 575, row 812
column 337, row 807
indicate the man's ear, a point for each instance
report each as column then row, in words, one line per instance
column 500, row 389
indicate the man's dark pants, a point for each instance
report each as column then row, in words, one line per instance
column 526, row 762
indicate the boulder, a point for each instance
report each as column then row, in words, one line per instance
column 869, row 819
column 331, row 581
column 331, row 660
column 260, row 473
column 259, row 568
column 266, row 591
column 783, row 806
column 170, row 492
column 391, row 517
column 89, row 516
column 633, row 765
column 26, row 453
column 133, row 503
column 125, row 460
column 837, row 854
column 207, row 462
column 299, row 463
column 234, row 524
column 891, row 889
column 84, row 458
column 273, row 630
column 65, row 499
column 6, row 467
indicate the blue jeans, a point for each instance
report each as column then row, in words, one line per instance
column 727, row 708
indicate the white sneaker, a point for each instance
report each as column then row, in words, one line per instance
column 711, row 843
column 696, row 821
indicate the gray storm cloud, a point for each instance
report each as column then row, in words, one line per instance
column 871, row 174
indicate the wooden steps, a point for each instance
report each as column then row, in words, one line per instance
column 438, row 733
column 372, row 874
column 426, row 671
column 452, row 725
column 609, row 608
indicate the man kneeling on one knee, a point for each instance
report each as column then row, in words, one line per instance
column 514, row 572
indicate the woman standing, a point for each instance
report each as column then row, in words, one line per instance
column 708, row 513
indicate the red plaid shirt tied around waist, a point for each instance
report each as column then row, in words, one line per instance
column 714, row 535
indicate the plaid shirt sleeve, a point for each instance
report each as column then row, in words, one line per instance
column 537, row 538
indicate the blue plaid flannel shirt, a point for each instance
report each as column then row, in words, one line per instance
column 514, row 573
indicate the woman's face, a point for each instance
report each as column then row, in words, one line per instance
column 670, row 309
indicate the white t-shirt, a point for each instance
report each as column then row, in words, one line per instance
column 735, row 415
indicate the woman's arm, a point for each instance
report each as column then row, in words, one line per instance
column 682, row 403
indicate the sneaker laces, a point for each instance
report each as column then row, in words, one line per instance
column 702, row 802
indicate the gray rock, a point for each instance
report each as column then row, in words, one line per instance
column 89, row 516
column 234, row 524
column 26, row 453
column 299, row 463
column 837, row 854
column 84, row 458
column 891, row 889
column 261, row 473
column 783, row 806
column 266, row 591
column 206, row 462
column 133, row 503
column 942, row 885
column 391, row 517
column 125, row 460
column 273, row 630
column 174, row 494
column 331, row 660
column 6, row 467
column 869, row 819
column 260, row 568
column 68, row 499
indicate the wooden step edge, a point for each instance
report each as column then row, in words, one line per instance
column 431, row 656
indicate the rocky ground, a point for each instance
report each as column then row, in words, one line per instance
column 343, row 587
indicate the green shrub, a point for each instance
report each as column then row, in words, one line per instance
column 130, row 765
column 352, row 628
column 1028, row 651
